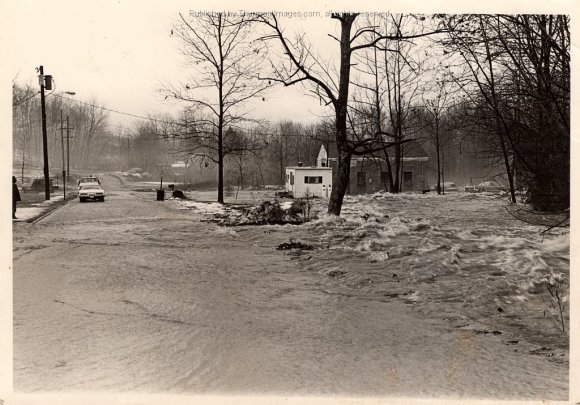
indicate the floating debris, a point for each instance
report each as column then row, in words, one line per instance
column 294, row 245
column 336, row 273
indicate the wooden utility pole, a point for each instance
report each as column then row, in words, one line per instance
column 68, row 149
column 62, row 144
column 44, row 137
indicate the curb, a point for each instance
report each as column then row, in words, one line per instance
column 50, row 210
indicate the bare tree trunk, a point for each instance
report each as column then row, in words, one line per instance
column 282, row 178
column 260, row 171
column 23, row 158
column 220, row 197
column 220, row 85
column 389, row 171
column 499, row 125
column 438, row 150
column 340, row 183
column 398, row 158
column 344, row 154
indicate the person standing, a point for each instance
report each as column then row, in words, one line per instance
column 15, row 197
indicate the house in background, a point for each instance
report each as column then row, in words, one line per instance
column 309, row 180
column 368, row 174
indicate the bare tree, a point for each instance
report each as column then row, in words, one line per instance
column 146, row 148
column 519, row 66
column 300, row 65
column 438, row 122
column 244, row 143
column 96, row 125
column 25, row 113
column 280, row 147
column 91, row 143
column 225, row 59
column 387, row 97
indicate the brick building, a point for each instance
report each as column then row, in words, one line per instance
column 368, row 174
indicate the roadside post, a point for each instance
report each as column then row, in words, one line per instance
column 161, row 192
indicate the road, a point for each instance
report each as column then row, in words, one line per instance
column 137, row 295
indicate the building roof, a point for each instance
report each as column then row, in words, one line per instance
column 308, row 168
column 411, row 149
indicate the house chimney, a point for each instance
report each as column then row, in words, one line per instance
column 299, row 164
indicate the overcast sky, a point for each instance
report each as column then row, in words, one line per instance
column 120, row 52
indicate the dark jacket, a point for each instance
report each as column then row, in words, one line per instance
column 15, row 193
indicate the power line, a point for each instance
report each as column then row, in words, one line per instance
column 115, row 111
column 25, row 100
column 96, row 106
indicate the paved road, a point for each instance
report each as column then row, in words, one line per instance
column 135, row 294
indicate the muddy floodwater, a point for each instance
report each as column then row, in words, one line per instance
column 404, row 296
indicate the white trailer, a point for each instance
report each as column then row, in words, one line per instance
column 309, row 180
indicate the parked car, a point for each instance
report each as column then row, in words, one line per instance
column 490, row 186
column 91, row 191
column 445, row 186
column 88, row 180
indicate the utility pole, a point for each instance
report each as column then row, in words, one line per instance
column 62, row 144
column 67, row 150
column 44, row 137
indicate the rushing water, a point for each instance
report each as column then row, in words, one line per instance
column 397, row 306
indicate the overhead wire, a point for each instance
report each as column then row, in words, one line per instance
column 96, row 106
column 115, row 111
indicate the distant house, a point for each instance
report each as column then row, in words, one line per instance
column 180, row 164
column 178, row 170
column 309, row 180
column 368, row 174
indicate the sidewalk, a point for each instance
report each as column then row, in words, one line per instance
column 35, row 211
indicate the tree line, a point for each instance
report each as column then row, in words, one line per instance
column 494, row 87
column 500, row 79
column 90, row 141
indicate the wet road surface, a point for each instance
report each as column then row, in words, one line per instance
column 137, row 295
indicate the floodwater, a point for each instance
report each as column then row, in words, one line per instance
column 138, row 295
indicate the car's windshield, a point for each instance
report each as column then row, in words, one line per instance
column 89, row 180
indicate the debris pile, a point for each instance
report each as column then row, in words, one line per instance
column 268, row 213
column 179, row 194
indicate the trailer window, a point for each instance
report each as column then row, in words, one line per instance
column 312, row 179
